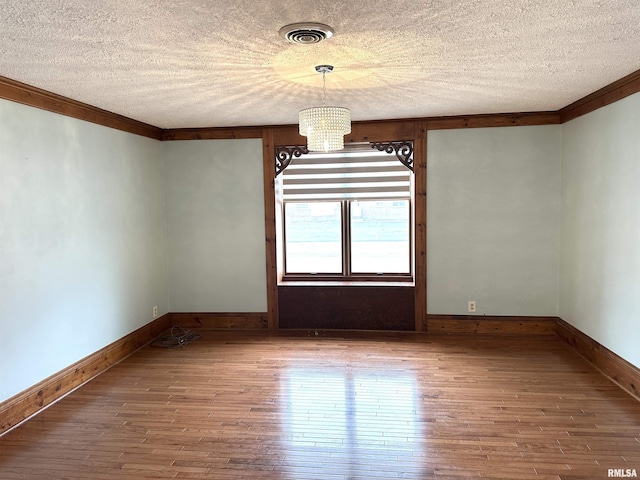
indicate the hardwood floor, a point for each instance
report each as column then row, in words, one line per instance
column 353, row 406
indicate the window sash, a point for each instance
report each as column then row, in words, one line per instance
column 346, row 245
column 358, row 246
column 323, row 260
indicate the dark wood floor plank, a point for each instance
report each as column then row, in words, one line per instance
column 339, row 406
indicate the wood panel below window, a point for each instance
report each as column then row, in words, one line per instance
column 352, row 307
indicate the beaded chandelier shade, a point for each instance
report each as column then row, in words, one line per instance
column 325, row 126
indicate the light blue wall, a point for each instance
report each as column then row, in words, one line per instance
column 95, row 224
column 215, row 215
column 493, row 219
column 600, row 267
column 83, row 255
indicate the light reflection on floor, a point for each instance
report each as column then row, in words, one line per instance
column 344, row 422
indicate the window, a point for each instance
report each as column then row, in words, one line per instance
column 313, row 237
column 379, row 236
column 347, row 215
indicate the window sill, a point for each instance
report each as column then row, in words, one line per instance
column 345, row 283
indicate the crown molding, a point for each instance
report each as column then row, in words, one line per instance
column 213, row 133
column 493, row 120
column 601, row 98
column 35, row 97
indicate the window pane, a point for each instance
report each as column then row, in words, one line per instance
column 313, row 237
column 380, row 236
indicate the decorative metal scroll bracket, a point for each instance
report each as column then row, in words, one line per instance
column 403, row 150
column 284, row 155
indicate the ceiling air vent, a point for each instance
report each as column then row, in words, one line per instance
column 306, row 33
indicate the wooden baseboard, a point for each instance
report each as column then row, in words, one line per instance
column 28, row 403
column 212, row 321
column 491, row 325
column 623, row 373
column 19, row 408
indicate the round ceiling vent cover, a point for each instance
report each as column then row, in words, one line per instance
column 306, row 33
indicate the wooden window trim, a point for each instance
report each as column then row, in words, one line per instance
column 378, row 131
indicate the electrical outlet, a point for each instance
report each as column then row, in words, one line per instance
column 472, row 306
column 155, row 311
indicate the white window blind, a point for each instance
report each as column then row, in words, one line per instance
column 346, row 175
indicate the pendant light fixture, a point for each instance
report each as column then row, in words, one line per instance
column 325, row 126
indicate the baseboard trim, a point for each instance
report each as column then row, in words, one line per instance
column 491, row 325
column 38, row 397
column 616, row 368
column 28, row 403
column 218, row 320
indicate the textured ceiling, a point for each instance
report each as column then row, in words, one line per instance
column 213, row 63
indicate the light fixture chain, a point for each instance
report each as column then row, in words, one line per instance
column 324, row 89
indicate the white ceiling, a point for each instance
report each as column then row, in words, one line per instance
column 213, row 63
